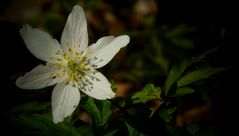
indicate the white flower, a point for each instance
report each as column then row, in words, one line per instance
column 71, row 65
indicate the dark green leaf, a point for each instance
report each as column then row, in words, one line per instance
column 132, row 131
column 148, row 93
column 176, row 131
column 100, row 111
column 193, row 129
column 111, row 133
column 89, row 105
column 184, row 91
column 174, row 74
column 209, row 131
column 39, row 125
column 183, row 43
column 86, row 130
column 105, row 110
column 167, row 114
column 198, row 75
column 33, row 106
column 177, row 70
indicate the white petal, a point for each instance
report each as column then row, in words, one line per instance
column 38, row 78
column 40, row 44
column 65, row 99
column 105, row 49
column 100, row 89
column 75, row 32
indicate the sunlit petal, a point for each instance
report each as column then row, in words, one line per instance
column 38, row 78
column 65, row 98
column 75, row 32
column 98, row 88
column 105, row 49
column 39, row 43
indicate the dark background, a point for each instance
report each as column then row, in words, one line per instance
column 212, row 21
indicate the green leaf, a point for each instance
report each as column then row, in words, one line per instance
column 105, row 110
column 148, row 93
column 89, row 105
column 113, row 85
column 86, row 130
column 176, row 131
column 209, row 131
column 33, row 106
column 193, row 129
column 167, row 114
column 42, row 125
column 177, row 70
column 174, row 74
column 111, row 133
column 183, row 43
column 132, row 131
column 100, row 110
column 184, row 91
column 198, row 75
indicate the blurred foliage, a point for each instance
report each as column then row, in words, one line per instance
column 167, row 81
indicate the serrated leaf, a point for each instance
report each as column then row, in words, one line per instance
column 148, row 93
column 177, row 70
column 184, row 91
column 167, row 114
column 198, row 75
column 132, row 131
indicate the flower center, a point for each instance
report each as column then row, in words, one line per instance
column 81, row 74
column 78, row 69
column 74, row 66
